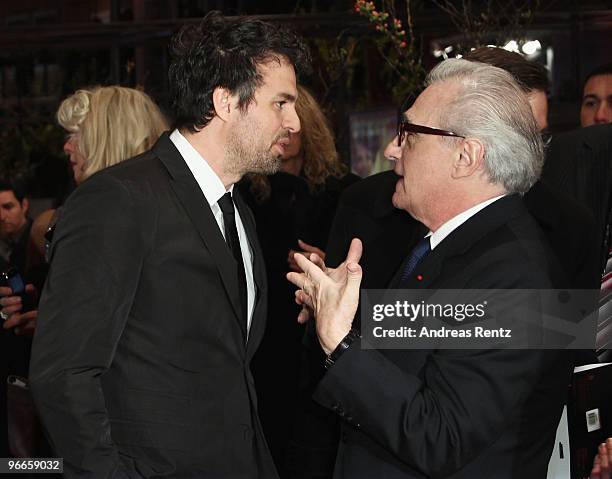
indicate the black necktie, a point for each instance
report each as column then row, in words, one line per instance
column 231, row 238
column 416, row 256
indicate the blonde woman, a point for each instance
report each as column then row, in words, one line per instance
column 105, row 126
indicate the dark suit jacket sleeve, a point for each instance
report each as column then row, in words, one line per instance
column 339, row 241
column 440, row 417
column 98, row 250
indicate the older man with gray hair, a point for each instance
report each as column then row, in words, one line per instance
column 466, row 151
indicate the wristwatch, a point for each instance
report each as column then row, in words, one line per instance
column 352, row 335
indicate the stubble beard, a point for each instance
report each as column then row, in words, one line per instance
column 246, row 153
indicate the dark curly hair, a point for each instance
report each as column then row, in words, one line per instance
column 224, row 52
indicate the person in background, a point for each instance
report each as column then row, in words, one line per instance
column 15, row 225
column 568, row 225
column 15, row 222
column 105, row 126
column 531, row 76
column 596, row 106
column 293, row 210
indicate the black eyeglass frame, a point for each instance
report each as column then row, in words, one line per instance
column 404, row 126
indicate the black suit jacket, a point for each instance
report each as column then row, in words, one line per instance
column 139, row 365
column 460, row 414
column 580, row 164
column 388, row 235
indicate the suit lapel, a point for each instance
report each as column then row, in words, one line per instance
column 196, row 206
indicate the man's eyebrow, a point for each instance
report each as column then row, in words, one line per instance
column 287, row 97
column 590, row 96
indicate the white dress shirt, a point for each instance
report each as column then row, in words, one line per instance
column 451, row 225
column 213, row 189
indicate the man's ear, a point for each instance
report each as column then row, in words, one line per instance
column 222, row 102
column 470, row 158
column 25, row 204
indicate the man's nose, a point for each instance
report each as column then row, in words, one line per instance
column 291, row 121
column 392, row 151
column 603, row 113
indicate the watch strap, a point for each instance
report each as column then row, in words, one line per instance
column 352, row 335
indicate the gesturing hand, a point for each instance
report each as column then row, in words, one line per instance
column 332, row 294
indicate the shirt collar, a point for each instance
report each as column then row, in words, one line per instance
column 209, row 182
column 436, row 237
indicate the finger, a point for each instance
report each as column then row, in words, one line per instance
column 304, row 315
column 14, row 308
column 601, row 464
column 30, row 288
column 353, row 283
column 355, row 251
column 313, row 272
column 28, row 325
column 311, row 249
column 293, row 266
column 603, row 455
column 307, row 247
column 11, row 322
column 304, row 299
column 297, row 279
column 318, row 260
column 5, row 291
column 595, row 473
column 15, row 320
column 10, row 301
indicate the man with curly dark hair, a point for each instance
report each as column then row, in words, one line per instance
column 156, row 302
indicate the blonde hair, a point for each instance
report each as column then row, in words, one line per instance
column 111, row 124
column 320, row 157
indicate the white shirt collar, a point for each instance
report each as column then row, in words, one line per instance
column 451, row 225
column 209, row 182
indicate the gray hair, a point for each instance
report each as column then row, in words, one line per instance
column 491, row 107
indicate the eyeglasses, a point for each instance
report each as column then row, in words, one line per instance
column 404, row 126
